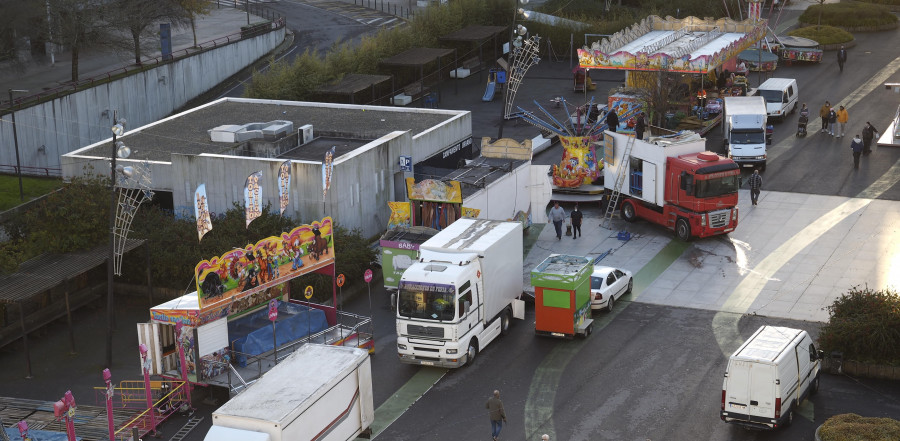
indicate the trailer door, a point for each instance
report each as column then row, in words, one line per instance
column 149, row 335
column 649, row 170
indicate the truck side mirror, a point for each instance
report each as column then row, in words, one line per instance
column 725, row 142
column 820, row 354
column 393, row 301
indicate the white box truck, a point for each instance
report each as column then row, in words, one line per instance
column 768, row 377
column 744, row 130
column 320, row 392
column 460, row 293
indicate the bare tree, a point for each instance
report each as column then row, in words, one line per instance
column 137, row 17
column 193, row 9
column 78, row 24
column 17, row 26
column 656, row 89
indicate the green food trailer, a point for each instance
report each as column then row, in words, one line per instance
column 562, row 296
column 399, row 249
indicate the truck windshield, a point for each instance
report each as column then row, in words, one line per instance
column 716, row 187
column 771, row 96
column 430, row 301
column 748, row 137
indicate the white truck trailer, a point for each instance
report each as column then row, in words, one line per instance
column 461, row 293
column 744, row 130
column 318, row 393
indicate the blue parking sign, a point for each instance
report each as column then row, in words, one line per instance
column 406, row 163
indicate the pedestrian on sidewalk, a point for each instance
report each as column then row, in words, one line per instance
column 842, row 118
column 496, row 413
column 612, row 120
column 576, row 216
column 869, row 133
column 823, row 113
column 832, row 121
column 639, row 126
column 842, row 57
column 755, row 183
column 857, row 147
column 557, row 216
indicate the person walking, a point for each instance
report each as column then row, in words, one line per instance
column 857, row 147
column 755, row 182
column 832, row 121
column 869, row 133
column 557, row 216
column 496, row 413
column 804, row 111
column 639, row 126
column 842, row 57
column 842, row 118
column 823, row 113
column 576, row 216
column 612, row 120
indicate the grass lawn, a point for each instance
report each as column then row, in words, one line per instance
column 32, row 187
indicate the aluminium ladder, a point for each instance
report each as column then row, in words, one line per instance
column 617, row 187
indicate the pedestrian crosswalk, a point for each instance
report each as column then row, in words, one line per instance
column 380, row 18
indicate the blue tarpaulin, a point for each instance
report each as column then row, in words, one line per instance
column 252, row 334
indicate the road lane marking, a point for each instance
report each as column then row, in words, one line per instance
column 545, row 382
column 405, row 397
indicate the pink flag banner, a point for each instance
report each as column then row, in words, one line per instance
column 284, row 185
column 201, row 211
column 253, row 196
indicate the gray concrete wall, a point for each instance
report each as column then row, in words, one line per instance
column 82, row 118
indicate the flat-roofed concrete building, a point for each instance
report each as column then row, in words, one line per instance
column 221, row 143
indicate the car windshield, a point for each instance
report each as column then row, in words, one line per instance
column 748, row 137
column 430, row 301
column 716, row 187
column 771, row 96
column 597, row 282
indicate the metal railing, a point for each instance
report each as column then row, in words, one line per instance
column 171, row 398
column 55, row 172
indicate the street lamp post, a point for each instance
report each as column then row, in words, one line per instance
column 118, row 149
column 516, row 37
column 16, row 141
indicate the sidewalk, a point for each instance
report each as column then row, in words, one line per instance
column 40, row 75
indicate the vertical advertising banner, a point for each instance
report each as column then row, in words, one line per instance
column 201, row 211
column 253, row 196
column 284, row 185
column 327, row 168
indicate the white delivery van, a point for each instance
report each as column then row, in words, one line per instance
column 768, row 377
column 781, row 95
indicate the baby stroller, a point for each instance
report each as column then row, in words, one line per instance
column 801, row 126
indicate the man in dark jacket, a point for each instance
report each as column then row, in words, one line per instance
column 857, row 146
column 755, row 183
column 496, row 413
column 612, row 120
column 842, row 57
column 639, row 126
column 869, row 133
column 576, row 216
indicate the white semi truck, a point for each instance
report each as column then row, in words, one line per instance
column 744, row 130
column 460, row 293
column 318, row 393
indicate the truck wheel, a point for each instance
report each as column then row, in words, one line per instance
column 762, row 168
column 683, row 229
column 472, row 352
column 630, row 285
column 504, row 322
column 588, row 330
column 610, row 303
column 789, row 419
column 628, row 211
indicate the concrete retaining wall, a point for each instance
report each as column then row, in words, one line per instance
column 68, row 123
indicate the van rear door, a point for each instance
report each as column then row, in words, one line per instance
column 751, row 390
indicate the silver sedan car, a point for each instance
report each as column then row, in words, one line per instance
column 607, row 285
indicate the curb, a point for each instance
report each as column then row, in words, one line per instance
column 879, row 28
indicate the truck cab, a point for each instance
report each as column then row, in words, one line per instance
column 744, row 130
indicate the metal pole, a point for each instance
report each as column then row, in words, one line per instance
column 69, row 321
column 148, row 392
column 16, row 142
column 274, row 341
column 112, row 247
column 508, row 71
column 247, row 4
column 107, row 377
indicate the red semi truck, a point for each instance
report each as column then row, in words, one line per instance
column 673, row 182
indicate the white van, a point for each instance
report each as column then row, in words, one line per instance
column 768, row 377
column 781, row 95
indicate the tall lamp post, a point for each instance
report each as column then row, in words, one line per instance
column 118, row 149
column 515, row 39
column 16, row 141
